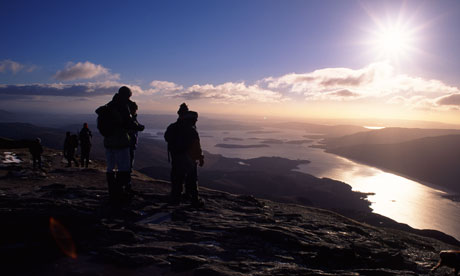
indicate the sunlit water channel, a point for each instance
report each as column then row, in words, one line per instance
column 396, row 197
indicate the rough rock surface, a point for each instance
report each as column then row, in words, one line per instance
column 230, row 235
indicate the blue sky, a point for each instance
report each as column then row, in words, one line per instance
column 222, row 55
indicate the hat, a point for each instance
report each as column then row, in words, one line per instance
column 183, row 109
column 125, row 92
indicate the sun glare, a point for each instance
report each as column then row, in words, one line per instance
column 395, row 37
column 393, row 42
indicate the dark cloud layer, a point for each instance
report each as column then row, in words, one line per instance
column 65, row 90
column 343, row 93
column 453, row 99
column 348, row 80
column 193, row 95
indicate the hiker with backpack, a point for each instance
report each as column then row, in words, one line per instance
column 114, row 123
column 85, row 136
column 70, row 146
column 185, row 151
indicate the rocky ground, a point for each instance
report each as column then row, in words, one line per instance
column 58, row 222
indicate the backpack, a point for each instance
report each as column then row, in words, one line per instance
column 106, row 120
column 177, row 137
column 85, row 137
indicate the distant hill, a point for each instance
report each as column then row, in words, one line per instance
column 51, row 137
column 389, row 135
column 435, row 160
column 327, row 130
column 149, row 151
column 5, row 115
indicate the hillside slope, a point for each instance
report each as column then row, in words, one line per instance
column 431, row 159
column 390, row 135
column 231, row 235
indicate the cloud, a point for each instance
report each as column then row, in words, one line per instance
column 83, row 70
column 163, row 86
column 322, row 81
column 343, row 94
column 14, row 67
column 377, row 80
column 452, row 99
column 230, row 92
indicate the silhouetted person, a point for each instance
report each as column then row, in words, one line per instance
column 185, row 150
column 133, row 134
column 114, row 123
column 36, row 151
column 70, row 146
column 85, row 137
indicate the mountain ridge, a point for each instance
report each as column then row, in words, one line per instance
column 231, row 235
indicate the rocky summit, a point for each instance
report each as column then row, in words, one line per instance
column 58, row 222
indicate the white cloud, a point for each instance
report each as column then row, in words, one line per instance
column 323, row 81
column 231, row 92
column 83, row 70
column 163, row 86
column 377, row 80
column 14, row 67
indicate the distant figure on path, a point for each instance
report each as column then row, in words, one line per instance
column 114, row 123
column 70, row 147
column 36, row 151
column 185, row 150
column 85, row 137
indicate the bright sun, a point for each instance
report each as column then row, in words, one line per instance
column 395, row 37
column 393, row 42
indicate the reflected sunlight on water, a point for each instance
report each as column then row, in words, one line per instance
column 374, row 127
column 396, row 197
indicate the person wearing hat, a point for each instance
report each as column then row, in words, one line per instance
column 186, row 153
column 117, row 143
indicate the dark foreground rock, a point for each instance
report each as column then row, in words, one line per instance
column 59, row 222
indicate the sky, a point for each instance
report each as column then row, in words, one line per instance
column 285, row 58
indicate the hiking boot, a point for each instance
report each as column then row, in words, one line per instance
column 115, row 191
column 186, row 197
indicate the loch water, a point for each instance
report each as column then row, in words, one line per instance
column 399, row 198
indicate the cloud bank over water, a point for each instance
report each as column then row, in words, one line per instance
column 377, row 81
